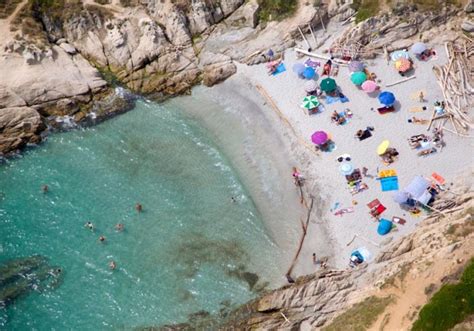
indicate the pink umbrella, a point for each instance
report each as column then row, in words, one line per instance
column 369, row 86
column 319, row 137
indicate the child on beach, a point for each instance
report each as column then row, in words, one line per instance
column 297, row 177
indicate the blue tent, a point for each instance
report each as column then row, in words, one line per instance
column 384, row 227
column 308, row 73
column 386, row 98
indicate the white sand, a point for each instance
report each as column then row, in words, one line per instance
column 329, row 234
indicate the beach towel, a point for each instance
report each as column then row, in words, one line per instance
column 312, row 64
column 417, row 109
column 343, row 211
column 330, row 99
column 416, row 95
column 398, row 220
column 281, row 68
column 389, row 183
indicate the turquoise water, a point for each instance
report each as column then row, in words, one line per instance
column 186, row 252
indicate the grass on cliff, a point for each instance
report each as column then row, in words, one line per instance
column 276, row 10
column 365, row 9
column 360, row 316
column 450, row 305
column 7, row 7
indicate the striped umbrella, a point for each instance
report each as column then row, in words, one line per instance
column 358, row 77
column 399, row 54
column 403, row 64
column 310, row 86
column 369, row 86
column 310, row 102
column 356, row 66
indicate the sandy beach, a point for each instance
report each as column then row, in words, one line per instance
column 333, row 236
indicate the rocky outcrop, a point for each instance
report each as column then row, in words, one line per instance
column 18, row 127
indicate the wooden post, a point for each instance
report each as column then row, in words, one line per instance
column 304, row 38
column 321, row 20
column 312, row 33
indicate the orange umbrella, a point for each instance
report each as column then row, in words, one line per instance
column 402, row 64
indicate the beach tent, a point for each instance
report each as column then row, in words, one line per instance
column 356, row 66
column 310, row 102
column 310, row 86
column 418, row 48
column 319, row 138
column 358, row 77
column 328, row 85
column 365, row 253
column 403, row 65
column 389, row 183
column 298, row 68
column 401, row 197
column 386, row 98
column 369, row 86
column 309, row 73
column 417, row 187
column 384, row 227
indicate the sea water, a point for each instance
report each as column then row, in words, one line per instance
column 196, row 246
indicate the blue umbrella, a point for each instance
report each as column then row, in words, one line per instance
column 386, row 98
column 298, row 68
column 418, row 48
column 308, row 73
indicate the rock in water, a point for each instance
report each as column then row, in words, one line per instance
column 19, row 126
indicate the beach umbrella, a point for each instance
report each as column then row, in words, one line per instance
column 319, row 137
column 386, row 98
column 310, row 102
column 399, row 54
column 403, row 64
column 310, row 86
column 298, row 68
column 308, row 73
column 418, row 48
column 383, row 147
column 369, row 86
column 346, row 168
column 328, row 85
column 356, row 66
column 358, row 77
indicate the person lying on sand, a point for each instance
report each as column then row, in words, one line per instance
column 416, row 120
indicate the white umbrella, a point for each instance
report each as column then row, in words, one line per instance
column 310, row 86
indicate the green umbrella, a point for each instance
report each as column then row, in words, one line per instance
column 328, row 85
column 310, row 102
column 358, row 77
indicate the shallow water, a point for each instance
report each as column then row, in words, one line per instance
column 186, row 252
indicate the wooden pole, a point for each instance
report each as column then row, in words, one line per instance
column 321, row 20
column 304, row 38
column 312, row 33
column 400, row 81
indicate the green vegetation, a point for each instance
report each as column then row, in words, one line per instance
column 365, row 9
column 7, row 7
column 271, row 10
column 360, row 316
column 450, row 305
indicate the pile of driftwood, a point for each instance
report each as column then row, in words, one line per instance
column 457, row 84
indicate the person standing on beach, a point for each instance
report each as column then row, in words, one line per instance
column 421, row 96
column 314, row 259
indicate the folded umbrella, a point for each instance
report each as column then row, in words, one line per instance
column 386, row 98
column 358, row 77
column 369, row 86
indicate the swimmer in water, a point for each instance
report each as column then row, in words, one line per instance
column 102, row 239
column 44, row 188
column 89, row 225
column 119, row 227
column 139, row 207
column 112, row 265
